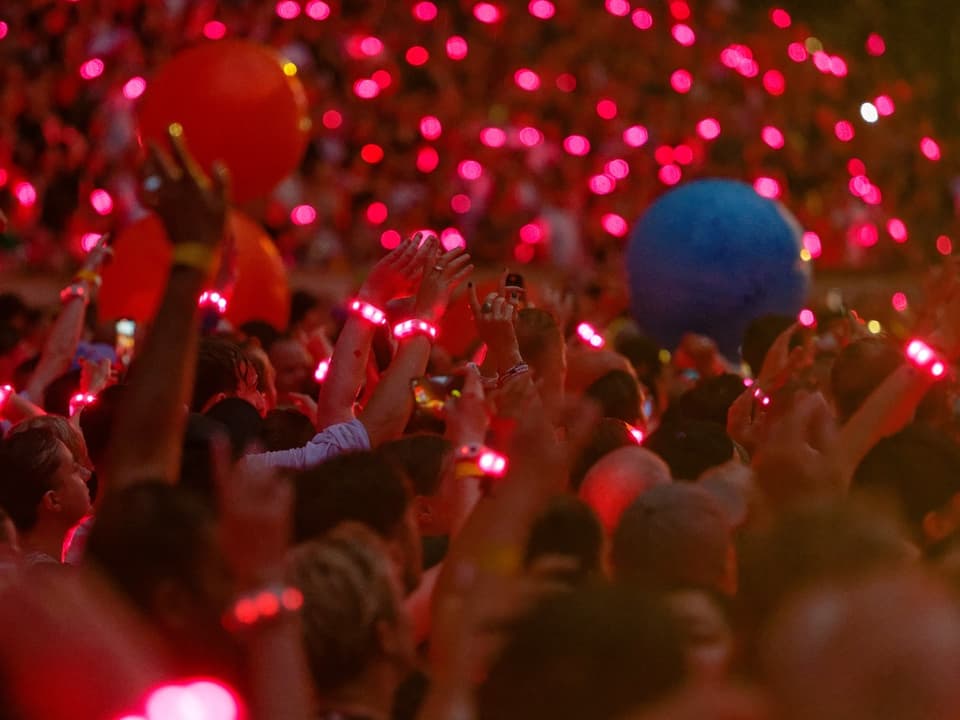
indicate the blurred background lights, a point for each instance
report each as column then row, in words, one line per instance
column 486, row 12
column 493, row 137
column 288, row 9
column 470, row 170
column 92, row 68
column 620, row 8
column 576, row 145
column 430, row 127
column 614, row 224
column 930, row 148
column 101, row 202
column 456, row 47
column 681, row 81
column 214, row 30
column 317, row 10
column 869, row 112
column 708, row 128
column 425, row 11
column 526, row 79
column 899, row 301
column 642, row 19
column 134, row 87
column 303, row 215
column 541, row 9
column 636, row 136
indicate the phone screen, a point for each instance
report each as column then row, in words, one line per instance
column 126, row 331
column 431, row 393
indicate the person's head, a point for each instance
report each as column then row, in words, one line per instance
column 881, row 647
column 618, row 395
column 427, row 461
column 691, row 447
column 157, row 544
column 815, row 545
column 917, row 474
column 223, row 371
column 568, row 528
column 610, row 434
column 542, row 348
column 261, row 331
column 266, row 375
column 285, row 429
column 353, row 617
column 367, row 488
column 708, row 401
column 242, row 422
column 858, row 370
column 305, row 311
column 293, row 366
column 618, row 479
column 42, row 486
column 65, row 431
column 759, row 338
column 595, row 653
column 672, row 537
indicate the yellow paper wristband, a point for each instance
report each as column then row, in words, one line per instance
column 89, row 276
column 467, row 469
column 195, row 255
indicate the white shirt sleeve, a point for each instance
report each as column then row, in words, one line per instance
column 334, row 440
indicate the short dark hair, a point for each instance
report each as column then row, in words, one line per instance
column 595, row 653
column 917, row 470
column 759, row 337
column 421, row 457
column 285, row 429
column 618, row 395
column 568, row 527
column 672, row 537
column 28, row 462
column 220, row 366
column 241, row 421
column 538, row 335
column 147, row 534
column 690, row 447
column 709, row 400
column 264, row 333
column 643, row 354
column 609, row 435
column 858, row 370
column 301, row 302
column 362, row 487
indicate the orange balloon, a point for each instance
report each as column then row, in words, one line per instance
column 133, row 282
column 236, row 104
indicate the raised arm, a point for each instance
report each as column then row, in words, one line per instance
column 61, row 345
column 396, row 273
column 150, row 423
column 389, row 408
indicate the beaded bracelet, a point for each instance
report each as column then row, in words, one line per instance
column 924, row 357
column 415, row 327
column 264, row 605
column 371, row 313
column 516, row 370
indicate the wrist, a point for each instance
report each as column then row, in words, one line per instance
column 511, row 358
column 371, row 295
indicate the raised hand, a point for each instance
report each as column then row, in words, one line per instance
column 192, row 207
column 467, row 416
column 441, row 276
column 398, row 273
column 495, row 320
column 255, row 524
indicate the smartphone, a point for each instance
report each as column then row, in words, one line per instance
column 514, row 287
column 126, row 331
column 432, row 392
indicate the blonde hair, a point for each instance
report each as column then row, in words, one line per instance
column 347, row 589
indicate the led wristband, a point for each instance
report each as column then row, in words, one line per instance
column 371, row 313
column 925, row 358
column 415, row 326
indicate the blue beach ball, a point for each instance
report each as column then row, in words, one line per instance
column 710, row 257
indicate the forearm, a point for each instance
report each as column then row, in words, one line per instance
column 277, row 668
column 151, row 421
column 886, row 411
column 346, row 374
column 60, row 347
column 390, row 406
column 16, row 409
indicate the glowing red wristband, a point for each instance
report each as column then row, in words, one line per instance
column 926, row 358
column 77, row 290
column 587, row 333
column 323, row 367
column 371, row 313
column 480, row 459
column 203, row 698
column 415, row 327
column 264, row 605
column 5, row 392
column 761, row 397
column 79, row 401
column 212, row 300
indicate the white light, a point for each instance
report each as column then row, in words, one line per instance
column 869, row 112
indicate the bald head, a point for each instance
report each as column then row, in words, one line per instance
column 618, row 479
column 888, row 647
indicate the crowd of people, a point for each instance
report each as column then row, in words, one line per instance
column 67, row 131
column 235, row 522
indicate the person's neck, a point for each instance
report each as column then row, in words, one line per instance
column 369, row 696
column 45, row 538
